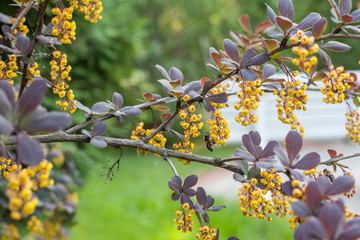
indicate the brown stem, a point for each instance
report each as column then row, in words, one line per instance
column 171, row 165
column 40, row 23
column 21, row 15
column 337, row 159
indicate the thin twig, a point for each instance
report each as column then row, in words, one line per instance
column 231, row 159
column 167, row 159
column 21, row 15
column 337, row 159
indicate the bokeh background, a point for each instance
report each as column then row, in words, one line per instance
column 119, row 53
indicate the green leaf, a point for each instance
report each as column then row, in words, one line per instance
column 356, row 101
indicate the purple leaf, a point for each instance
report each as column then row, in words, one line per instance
column 87, row 133
column 163, row 72
column 313, row 195
column 248, row 144
column 23, row 43
column 243, row 155
column 287, row 188
column 166, row 85
column 341, row 185
column 131, row 111
column 117, row 99
column 175, row 74
column 274, row 34
column 5, row 106
column 82, row 107
column 243, row 164
column 286, row 8
column 298, row 175
column 98, row 142
column 218, row 98
column 100, row 108
column 99, row 128
column 293, row 144
column 258, row 60
column 247, row 56
column 201, row 196
column 271, row 14
column 309, row 161
column 239, row 178
column 319, row 27
column 177, row 180
column 189, row 192
column 190, row 181
column 324, row 184
column 175, row 196
column 268, row 150
column 193, row 86
column 350, row 234
column 231, row 49
column 326, row 59
column 30, row 151
column 198, row 208
column 31, row 98
column 51, row 122
column 268, row 71
column 217, row 208
column 308, row 21
column 209, row 202
column 336, row 46
column 356, row 15
column 281, row 155
column 8, row 90
column 300, row 209
column 331, row 216
column 255, row 137
column 48, row 40
column 347, row 18
column 248, row 75
column 344, row 7
column 5, row 126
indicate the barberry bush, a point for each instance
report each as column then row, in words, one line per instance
column 37, row 182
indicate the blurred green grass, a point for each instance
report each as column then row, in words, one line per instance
column 137, row 205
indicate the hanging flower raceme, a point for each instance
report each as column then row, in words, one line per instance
column 63, row 29
column 8, row 69
column 219, row 129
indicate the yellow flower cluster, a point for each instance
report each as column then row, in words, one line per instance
column 352, row 192
column 8, row 68
column 252, row 199
column 192, row 126
column 219, row 89
column 313, row 173
column 139, row 133
column 21, row 185
column 336, row 83
column 6, row 167
column 206, row 233
column 219, row 129
column 21, row 27
column 290, row 99
column 59, row 74
column 352, row 125
column 184, row 218
column 32, row 72
column 10, row 232
column 63, row 29
column 304, row 51
column 250, row 96
column 91, row 9
column 35, row 226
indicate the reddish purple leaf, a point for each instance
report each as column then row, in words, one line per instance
column 31, row 98
column 344, row 7
column 271, row 15
column 309, row 161
column 206, row 85
column 5, row 126
column 319, row 27
column 100, row 108
column 255, row 137
column 268, row 150
column 166, row 85
column 332, row 153
column 281, row 155
column 336, row 46
column 23, row 43
column 248, row 144
column 217, row 208
column 268, row 71
column 313, row 195
column 5, row 106
column 293, row 144
column 331, row 216
column 324, row 184
column 258, row 60
column 350, row 234
column 50, row 122
column 131, row 111
column 175, row 196
column 308, row 21
column 248, row 75
column 117, row 99
column 341, row 185
column 98, row 142
column 201, row 196
column 244, row 21
column 347, row 18
column 262, row 26
column 286, row 9
column 8, row 90
column 231, row 49
column 284, row 23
